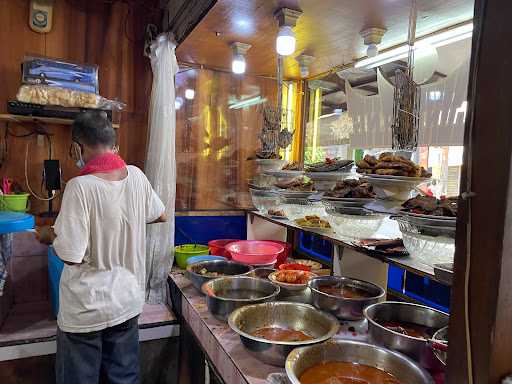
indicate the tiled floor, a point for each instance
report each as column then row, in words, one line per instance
column 34, row 321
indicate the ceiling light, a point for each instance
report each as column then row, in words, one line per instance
column 190, row 94
column 372, row 50
column 285, row 42
column 304, row 63
column 238, row 64
column 435, row 40
column 372, row 37
column 178, row 102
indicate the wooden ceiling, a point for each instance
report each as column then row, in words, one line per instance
column 328, row 30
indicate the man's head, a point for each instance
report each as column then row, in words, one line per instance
column 93, row 132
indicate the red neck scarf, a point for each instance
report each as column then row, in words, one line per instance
column 105, row 163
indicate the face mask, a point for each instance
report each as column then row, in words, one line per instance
column 80, row 163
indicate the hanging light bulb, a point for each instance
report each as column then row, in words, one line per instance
column 372, row 50
column 287, row 19
column 238, row 64
column 239, row 50
column 189, row 94
column 285, row 42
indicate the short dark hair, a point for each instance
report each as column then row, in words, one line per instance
column 93, row 128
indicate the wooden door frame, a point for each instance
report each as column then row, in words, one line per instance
column 484, row 224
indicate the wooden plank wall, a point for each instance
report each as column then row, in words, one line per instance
column 214, row 141
column 110, row 35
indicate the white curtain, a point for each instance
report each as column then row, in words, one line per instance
column 442, row 112
column 371, row 115
column 161, row 166
column 443, row 109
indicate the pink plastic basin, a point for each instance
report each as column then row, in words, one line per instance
column 283, row 256
column 218, row 247
column 254, row 251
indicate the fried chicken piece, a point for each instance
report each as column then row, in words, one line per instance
column 372, row 160
column 391, row 172
column 367, row 171
column 395, row 165
column 363, row 164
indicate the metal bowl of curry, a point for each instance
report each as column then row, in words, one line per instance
column 270, row 331
column 353, row 361
column 344, row 297
column 200, row 273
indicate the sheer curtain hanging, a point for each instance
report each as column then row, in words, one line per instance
column 442, row 113
column 161, row 166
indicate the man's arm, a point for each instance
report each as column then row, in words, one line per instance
column 162, row 219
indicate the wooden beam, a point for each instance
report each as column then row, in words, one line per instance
column 182, row 16
column 484, row 225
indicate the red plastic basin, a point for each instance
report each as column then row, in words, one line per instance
column 218, row 247
column 254, row 251
column 287, row 252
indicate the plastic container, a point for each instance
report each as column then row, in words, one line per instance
column 55, row 267
column 15, row 203
column 218, row 247
column 283, row 256
column 255, row 251
column 183, row 252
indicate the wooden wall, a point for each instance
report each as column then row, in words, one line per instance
column 110, row 35
column 213, row 141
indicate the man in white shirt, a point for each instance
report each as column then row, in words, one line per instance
column 100, row 235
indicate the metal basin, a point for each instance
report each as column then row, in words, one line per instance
column 299, row 317
column 343, row 308
column 440, row 336
column 403, row 368
column 225, row 294
column 417, row 348
column 228, row 268
column 261, row 273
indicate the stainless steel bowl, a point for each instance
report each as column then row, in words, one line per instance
column 225, row 294
column 223, row 267
column 440, row 336
column 417, row 348
column 403, row 368
column 343, row 308
column 261, row 273
column 299, row 317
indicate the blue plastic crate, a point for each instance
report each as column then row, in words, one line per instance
column 55, row 267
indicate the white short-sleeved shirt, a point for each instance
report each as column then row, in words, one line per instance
column 102, row 226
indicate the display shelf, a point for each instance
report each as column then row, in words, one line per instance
column 21, row 119
column 407, row 263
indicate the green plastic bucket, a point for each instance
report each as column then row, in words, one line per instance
column 16, row 203
column 183, row 252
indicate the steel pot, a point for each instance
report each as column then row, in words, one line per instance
column 417, row 348
column 400, row 366
column 343, row 308
column 300, row 317
column 223, row 267
column 225, row 294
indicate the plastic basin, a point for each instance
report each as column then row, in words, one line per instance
column 283, row 256
column 218, row 247
column 255, row 251
column 183, row 252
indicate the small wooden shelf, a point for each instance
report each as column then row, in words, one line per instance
column 37, row 119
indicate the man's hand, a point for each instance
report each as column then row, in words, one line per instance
column 161, row 219
column 45, row 235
